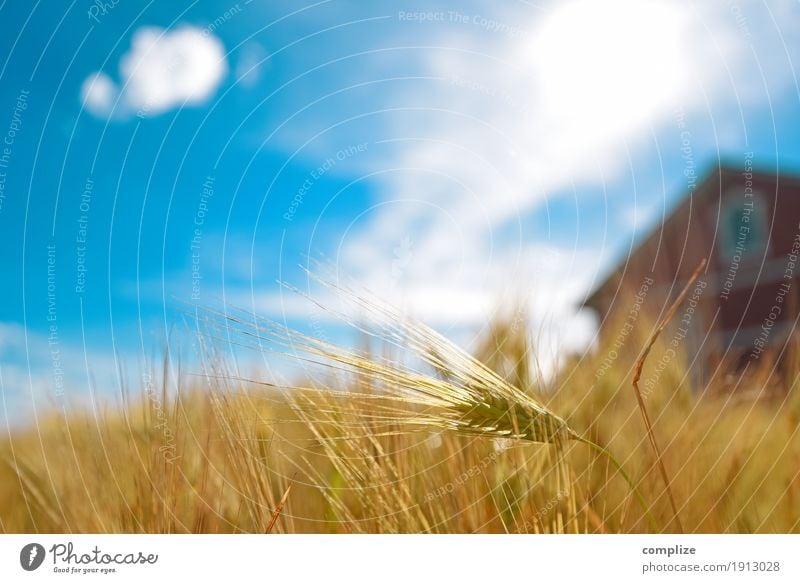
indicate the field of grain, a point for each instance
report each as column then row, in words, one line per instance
column 384, row 443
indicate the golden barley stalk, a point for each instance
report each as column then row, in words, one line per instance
column 461, row 395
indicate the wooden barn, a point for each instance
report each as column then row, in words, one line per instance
column 743, row 309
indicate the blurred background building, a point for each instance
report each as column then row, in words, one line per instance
column 742, row 310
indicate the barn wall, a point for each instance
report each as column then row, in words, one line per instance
column 747, row 225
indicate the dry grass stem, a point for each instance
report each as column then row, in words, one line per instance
column 659, row 461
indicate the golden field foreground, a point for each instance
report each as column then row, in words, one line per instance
column 454, row 450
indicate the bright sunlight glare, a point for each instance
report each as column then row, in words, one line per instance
column 607, row 67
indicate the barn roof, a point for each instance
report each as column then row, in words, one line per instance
column 712, row 184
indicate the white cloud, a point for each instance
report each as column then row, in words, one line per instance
column 39, row 376
column 253, row 59
column 163, row 69
column 605, row 69
column 99, row 94
column 494, row 126
column 458, row 298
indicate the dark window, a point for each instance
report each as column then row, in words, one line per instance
column 744, row 231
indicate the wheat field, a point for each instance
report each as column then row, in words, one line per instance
column 438, row 442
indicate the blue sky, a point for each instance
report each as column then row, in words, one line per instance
column 448, row 156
